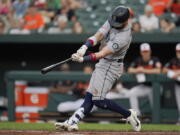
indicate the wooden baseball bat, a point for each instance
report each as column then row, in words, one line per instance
column 51, row 67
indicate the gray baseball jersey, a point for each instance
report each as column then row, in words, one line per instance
column 108, row 69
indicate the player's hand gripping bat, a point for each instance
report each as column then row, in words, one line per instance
column 51, row 67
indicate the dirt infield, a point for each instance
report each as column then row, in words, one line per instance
column 30, row 132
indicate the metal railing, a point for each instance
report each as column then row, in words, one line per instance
column 10, row 77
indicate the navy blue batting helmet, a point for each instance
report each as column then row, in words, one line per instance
column 118, row 16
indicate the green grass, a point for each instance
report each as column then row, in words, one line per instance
column 92, row 126
column 26, row 126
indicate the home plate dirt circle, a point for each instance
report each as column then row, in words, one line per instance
column 31, row 132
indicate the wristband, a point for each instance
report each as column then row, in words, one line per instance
column 91, row 42
column 91, row 57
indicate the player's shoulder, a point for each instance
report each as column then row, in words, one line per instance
column 104, row 29
column 126, row 28
column 124, row 34
column 106, row 24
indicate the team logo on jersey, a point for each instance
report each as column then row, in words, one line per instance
column 115, row 46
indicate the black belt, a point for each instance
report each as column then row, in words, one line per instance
column 118, row 60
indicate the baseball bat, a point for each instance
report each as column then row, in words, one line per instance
column 51, row 67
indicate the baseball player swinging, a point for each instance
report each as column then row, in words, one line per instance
column 115, row 38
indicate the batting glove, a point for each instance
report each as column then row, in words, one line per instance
column 77, row 58
column 81, row 51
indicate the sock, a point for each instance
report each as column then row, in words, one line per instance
column 111, row 105
column 85, row 108
column 88, row 103
column 76, row 117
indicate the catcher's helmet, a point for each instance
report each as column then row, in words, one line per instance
column 118, row 16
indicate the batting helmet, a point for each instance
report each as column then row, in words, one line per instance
column 118, row 16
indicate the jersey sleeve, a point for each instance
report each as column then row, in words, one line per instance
column 104, row 28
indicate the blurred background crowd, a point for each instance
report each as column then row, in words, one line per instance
column 85, row 16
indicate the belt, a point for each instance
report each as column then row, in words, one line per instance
column 120, row 60
column 117, row 60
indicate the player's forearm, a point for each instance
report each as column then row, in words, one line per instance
column 98, row 55
column 177, row 72
column 94, row 56
column 132, row 70
column 152, row 71
column 90, row 42
column 99, row 36
column 165, row 70
column 93, row 40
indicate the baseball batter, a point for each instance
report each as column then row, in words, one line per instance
column 115, row 38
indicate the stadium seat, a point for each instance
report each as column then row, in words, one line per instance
column 98, row 10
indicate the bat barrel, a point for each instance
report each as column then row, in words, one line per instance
column 44, row 70
column 49, row 68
